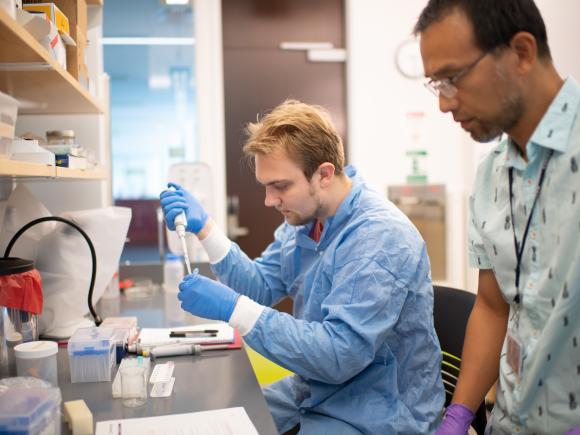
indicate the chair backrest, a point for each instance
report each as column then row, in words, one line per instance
column 451, row 310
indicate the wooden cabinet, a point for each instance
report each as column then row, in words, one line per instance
column 29, row 74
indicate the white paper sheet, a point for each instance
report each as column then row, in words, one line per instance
column 156, row 336
column 229, row 421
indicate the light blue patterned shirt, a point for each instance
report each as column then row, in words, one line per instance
column 545, row 398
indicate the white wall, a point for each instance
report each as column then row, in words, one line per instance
column 378, row 100
column 210, row 98
column 561, row 18
column 379, row 97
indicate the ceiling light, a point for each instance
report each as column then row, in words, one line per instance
column 175, row 2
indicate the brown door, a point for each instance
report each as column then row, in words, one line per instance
column 259, row 75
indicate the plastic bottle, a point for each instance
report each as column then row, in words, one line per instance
column 172, row 273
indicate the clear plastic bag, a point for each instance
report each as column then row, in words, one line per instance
column 64, row 261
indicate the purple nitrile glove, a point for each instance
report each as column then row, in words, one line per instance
column 207, row 298
column 574, row 431
column 173, row 202
column 456, row 420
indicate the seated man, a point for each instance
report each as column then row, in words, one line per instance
column 361, row 342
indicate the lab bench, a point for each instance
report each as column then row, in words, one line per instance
column 213, row 380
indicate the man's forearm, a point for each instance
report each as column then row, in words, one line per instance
column 235, row 269
column 481, row 353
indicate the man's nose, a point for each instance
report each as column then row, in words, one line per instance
column 447, row 104
column 271, row 199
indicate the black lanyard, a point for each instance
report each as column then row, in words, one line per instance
column 520, row 252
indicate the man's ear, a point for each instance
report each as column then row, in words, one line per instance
column 326, row 171
column 526, row 49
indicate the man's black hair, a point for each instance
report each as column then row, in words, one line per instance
column 494, row 22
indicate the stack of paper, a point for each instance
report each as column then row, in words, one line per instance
column 230, row 421
column 196, row 334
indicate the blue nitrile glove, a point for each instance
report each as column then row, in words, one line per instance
column 207, row 298
column 456, row 420
column 574, row 431
column 175, row 201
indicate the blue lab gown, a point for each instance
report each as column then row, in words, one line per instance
column 361, row 342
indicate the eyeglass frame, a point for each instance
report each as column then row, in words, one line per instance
column 437, row 86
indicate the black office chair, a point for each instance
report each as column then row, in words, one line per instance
column 450, row 313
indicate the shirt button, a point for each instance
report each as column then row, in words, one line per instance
column 533, row 235
column 529, row 181
column 531, row 285
column 517, row 429
column 302, row 411
column 535, row 333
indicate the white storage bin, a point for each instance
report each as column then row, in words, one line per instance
column 29, row 406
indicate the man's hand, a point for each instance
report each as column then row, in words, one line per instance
column 456, row 420
column 173, row 202
column 207, row 298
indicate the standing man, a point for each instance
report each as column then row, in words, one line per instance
column 361, row 342
column 489, row 63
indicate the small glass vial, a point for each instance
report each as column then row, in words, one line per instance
column 60, row 137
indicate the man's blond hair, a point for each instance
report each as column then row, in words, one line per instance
column 305, row 132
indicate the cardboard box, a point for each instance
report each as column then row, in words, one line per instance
column 76, row 12
column 44, row 32
column 72, row 162
column 30, row 151
column 55, row 15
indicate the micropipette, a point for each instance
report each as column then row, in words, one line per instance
column 184, row 349
column 180, row 223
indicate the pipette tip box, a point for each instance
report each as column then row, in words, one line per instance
column 29, row 406
column 91, row 354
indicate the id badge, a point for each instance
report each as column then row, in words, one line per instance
column 514, row 353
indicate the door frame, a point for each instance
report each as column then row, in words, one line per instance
column 210, row 112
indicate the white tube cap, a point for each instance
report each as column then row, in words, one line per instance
column 35, row 349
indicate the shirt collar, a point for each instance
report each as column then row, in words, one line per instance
column 553, row 131
column 343, row 213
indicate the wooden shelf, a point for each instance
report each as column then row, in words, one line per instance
column 50, row 91
column 16, row 169
column 81, row 174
